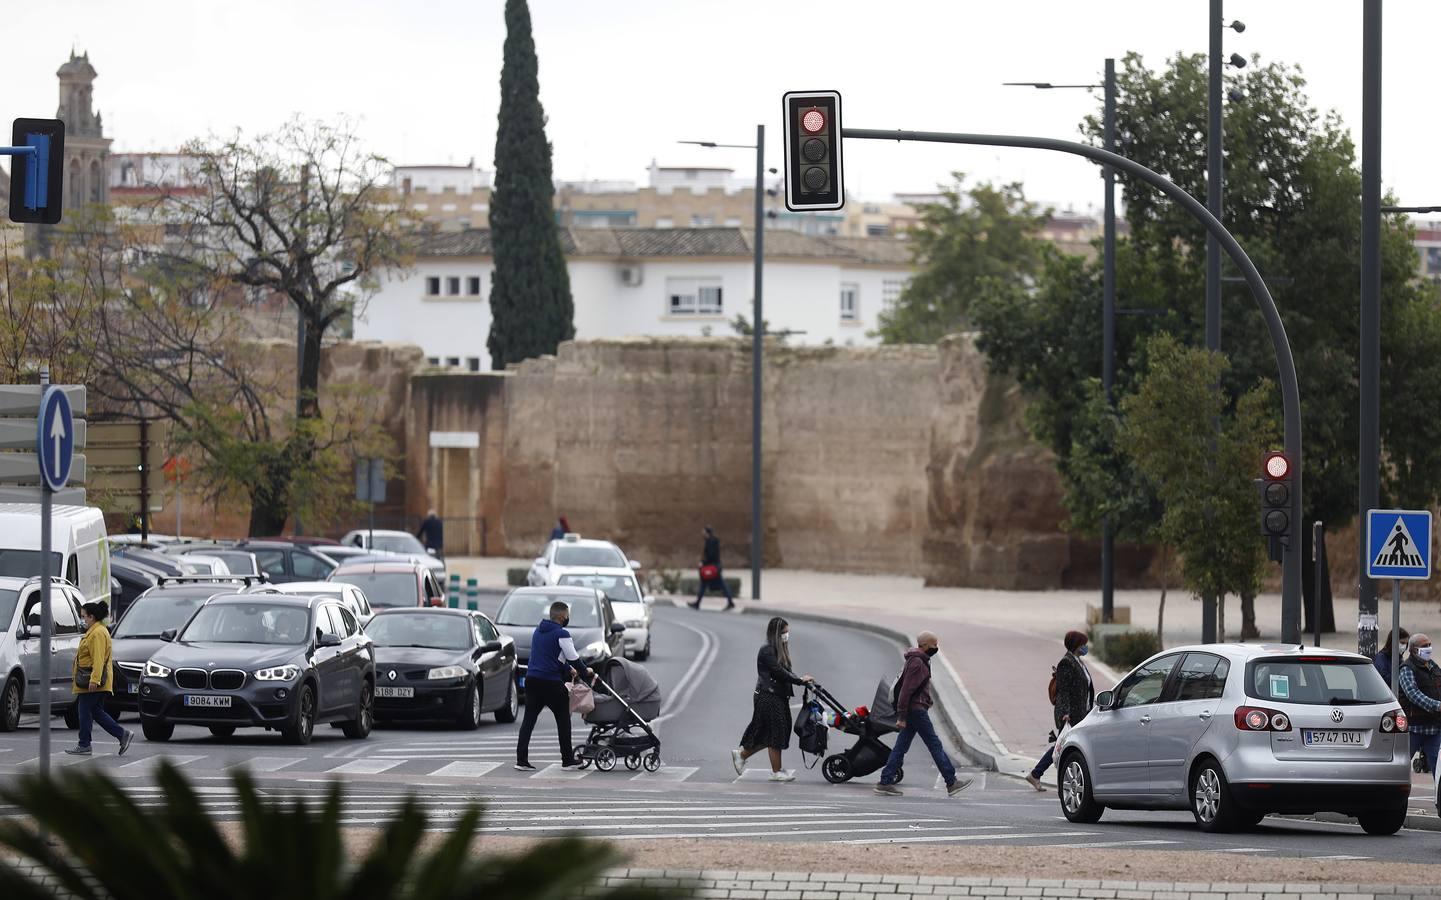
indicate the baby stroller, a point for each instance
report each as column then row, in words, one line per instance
column 869, row 753
column 626, row 699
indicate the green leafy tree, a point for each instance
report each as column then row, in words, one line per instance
column 530, row 303
column 979, row 238
column 1203, row 479
column 116, row 849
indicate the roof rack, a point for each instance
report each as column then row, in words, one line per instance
column 262, row 578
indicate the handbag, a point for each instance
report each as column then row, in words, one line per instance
column 582, row 698
column 84, row 675
column 709, row 572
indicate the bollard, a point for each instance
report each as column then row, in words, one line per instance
column 472, row 594
column 452, row 592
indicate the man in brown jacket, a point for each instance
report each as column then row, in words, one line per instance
column 913, row 717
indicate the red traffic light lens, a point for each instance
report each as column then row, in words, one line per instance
column 1277, row 466
column 813, row 121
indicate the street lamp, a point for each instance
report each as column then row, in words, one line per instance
column 757, row 347
column 1108, row 303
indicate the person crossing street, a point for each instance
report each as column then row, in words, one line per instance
column 913, row 717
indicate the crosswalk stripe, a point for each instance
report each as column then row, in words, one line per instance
column 972, row 837
column 754, row 834
column 1339, row 857
column 266, row 763
column 567, row 825
column 1090, row 844
column 149, row 762
column 365, row 766
column 669, row 774
column 466, row 769
column 555, row 771
column 1243, row 850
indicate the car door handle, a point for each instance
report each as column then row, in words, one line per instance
column 1145, row 720
column 1206, row 714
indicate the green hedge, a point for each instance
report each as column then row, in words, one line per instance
column 1129, row 649
column 689, row 586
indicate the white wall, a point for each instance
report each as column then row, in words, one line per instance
column 799, row 296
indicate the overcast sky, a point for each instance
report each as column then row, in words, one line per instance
column 623, row 80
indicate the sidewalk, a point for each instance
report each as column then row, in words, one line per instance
column 1000, row 645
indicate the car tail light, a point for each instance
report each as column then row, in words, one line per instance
column 1256, row 718
column 1395, row 720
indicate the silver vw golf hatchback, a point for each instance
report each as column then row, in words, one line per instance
column 1236, row 731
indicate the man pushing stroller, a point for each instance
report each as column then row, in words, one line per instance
column 913, row 717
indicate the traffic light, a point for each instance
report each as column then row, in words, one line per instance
column 813, row 150
column 1275, row 489
column 37, row 179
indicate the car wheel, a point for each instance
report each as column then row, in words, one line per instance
column 1077, row 801
column 511, row 707
column 470, row 718
column 10, row 706
column 222, row 731
column 1384, row 821
column 303, row 726
column 72, row 716
column 643, row 653
column 156, row 730
column 359, row 727
column 1211, row 801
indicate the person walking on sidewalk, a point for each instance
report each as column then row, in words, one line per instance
column 1420, row 696
column 1075, row 695
column 92, row 681
column 561, row 529
column 710, row 570
column 1382, row 659
column 770, row 725
column 553, row 657
column 913, row 717
column 432, row 534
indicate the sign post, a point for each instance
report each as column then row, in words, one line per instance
column 370, row 488
column 1399, row 548
column 55, row 450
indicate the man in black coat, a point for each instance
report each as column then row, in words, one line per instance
column 710, row 557
column 432, row 533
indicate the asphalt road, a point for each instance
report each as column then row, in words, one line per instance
column 704, row 662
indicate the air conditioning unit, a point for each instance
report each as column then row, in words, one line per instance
column 631, row 276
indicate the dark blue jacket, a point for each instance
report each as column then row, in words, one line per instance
column 1382, row 662
column 545, row 654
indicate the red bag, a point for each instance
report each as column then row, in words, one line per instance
column 709, row 573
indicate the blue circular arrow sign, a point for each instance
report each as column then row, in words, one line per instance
column 55, row 438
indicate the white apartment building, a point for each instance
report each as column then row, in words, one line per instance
column 647, row 281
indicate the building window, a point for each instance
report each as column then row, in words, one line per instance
column 665, row 222
column 891, row 291
column 694, row 297
column 878, row 231
column 472, row 363
column 432, row 286
column 1433, row 260
column 850, row 303
column 733, row 221
column 472, row 286
column 698, row 221
column 453, row 361
column 433, row 360
column 452, row 286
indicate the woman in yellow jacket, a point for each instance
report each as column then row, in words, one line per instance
column 93, row 680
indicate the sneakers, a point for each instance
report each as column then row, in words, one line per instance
column 783, row 775
column 960, row 784
column 78, row 751
column 889, row 790
column 730, row 606
column 1034, row 782
column 125, row 740
column 524, row 767
column 694, row 605
column 739, row 762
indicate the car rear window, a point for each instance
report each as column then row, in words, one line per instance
column 1316, row 680
column 530, row 609
column 619, row 588
column 589, row 557
column 386, row 590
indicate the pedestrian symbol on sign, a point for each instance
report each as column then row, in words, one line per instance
column 1399, row 543
column 1396, row 551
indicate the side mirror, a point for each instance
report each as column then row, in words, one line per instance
column 1104, row 699
column 490, row 647
column 168, row 635
column 648, row 600
column 329, row 640
column 635, row 565
column 617, row 627
column 540, row 560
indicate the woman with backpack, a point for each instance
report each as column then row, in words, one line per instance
column 770, row 726
column 1072, row 695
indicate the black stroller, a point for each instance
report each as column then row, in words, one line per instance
column 626, row 699
column 869, row 753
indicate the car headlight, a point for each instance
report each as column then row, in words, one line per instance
column 156, row 670
column 635, row 623
column 445, row 672
column 596, row 650
column 278, row 673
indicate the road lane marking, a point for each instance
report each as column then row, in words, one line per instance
column 1090, row 844
column 364, row 767
column 266, row 763
column 752, row 834
column 971, row 837
column 689, row 828
column 1339, row 857
column 668, row 774
column 1243, row 850
column 466, row 769
column 680, row 696
column 555, row 771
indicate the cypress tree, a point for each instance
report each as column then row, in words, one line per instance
column 530, row 303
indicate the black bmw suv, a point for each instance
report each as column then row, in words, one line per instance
column 282, row 663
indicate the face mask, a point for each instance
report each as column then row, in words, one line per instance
column 932, row 651
column 565, row 622
column 786, row 638
column 1424, row 653
column 1083, row 650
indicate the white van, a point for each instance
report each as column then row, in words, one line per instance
column 79, row 547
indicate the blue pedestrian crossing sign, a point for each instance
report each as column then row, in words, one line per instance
column 1399, row 542
column 55, row 438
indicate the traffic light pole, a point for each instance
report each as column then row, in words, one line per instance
column 1369, row 460
column 1285, row 362
column 757, row 349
